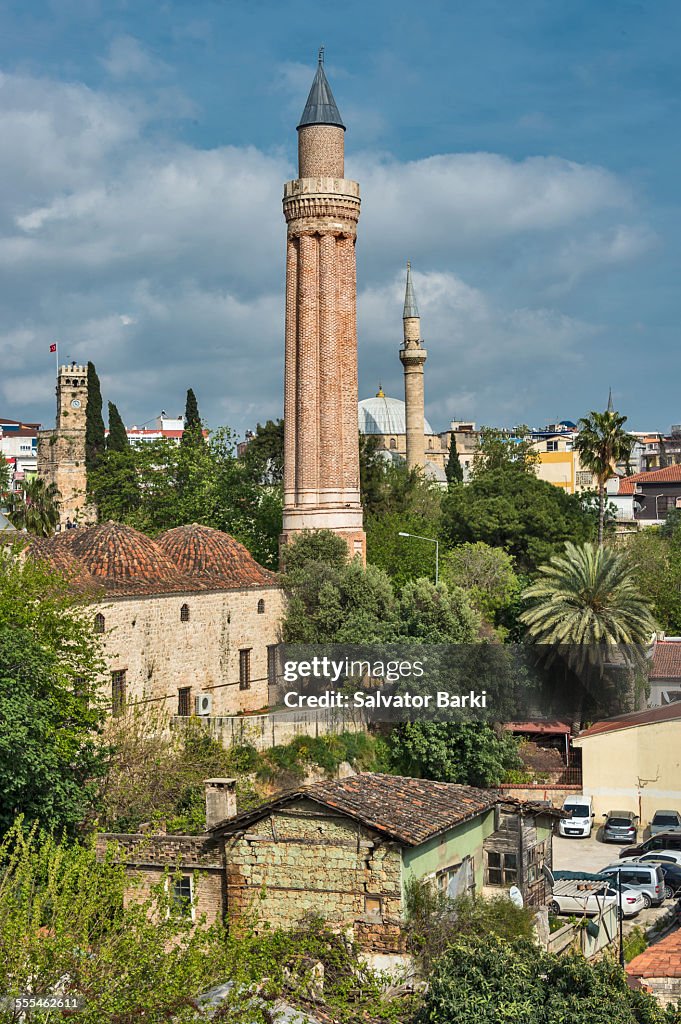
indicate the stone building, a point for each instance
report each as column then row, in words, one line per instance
column 321, row 452
column 61, row 452
column 189, row 621
column 346, row 849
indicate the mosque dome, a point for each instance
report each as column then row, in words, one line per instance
column 122, row 557
column 208, row 554
column 383, row 415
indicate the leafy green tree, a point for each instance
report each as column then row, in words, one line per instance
column 509, row 508
column 670, row 529
column 504, row 449
column 64, row 919
column 311, row 546
column 489, row 980
column 36, row 510
column 453, row 469
column 437, row 615
column 117, row 441
column 4, row 479
column 50, row 711
column 655, row 559
column 486, row 574
column 371, row 473
column 264, row 454
column 602, row 442
column 468, row 753
column 94, row 421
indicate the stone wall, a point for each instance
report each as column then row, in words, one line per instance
column 303, row 860
column 274, row 728
column 666, row 990
column 161, row 654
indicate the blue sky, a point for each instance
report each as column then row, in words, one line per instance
column 526, row 158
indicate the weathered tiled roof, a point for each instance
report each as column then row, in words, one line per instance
column 213, row 556
column 122, row 562
column 668, row 475
column 662, row 960
column 666, row 660
column 409, row 810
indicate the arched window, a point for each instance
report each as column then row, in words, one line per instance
column 184, row 613
column 393, row 443
column 430, row 442
column 261, row 607
column 100, row 623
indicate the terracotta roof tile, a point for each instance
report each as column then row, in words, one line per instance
column 214, row 557
column 409, row 810
column 666, row 660
column 661, row 960
column 667, row 713
column 668, row 475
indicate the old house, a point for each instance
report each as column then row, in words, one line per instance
column 189, row 621
column 658, row 969
column 347, row 848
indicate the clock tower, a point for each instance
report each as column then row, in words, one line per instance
column 61, row 452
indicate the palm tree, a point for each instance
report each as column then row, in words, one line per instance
column 601, row 443
column 37, row 510
column 585, row 602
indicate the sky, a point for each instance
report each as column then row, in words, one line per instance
column 525, row 157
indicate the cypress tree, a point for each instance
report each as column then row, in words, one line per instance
column 193, row 431
column 117, row 441
column 454, row 469
column 94, row 421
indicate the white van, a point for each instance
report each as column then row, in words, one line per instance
column 581, row 818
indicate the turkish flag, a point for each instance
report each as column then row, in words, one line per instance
column 53, row 348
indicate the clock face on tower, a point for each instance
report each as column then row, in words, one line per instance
column 75, row 404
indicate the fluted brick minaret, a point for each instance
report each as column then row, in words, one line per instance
column 413, row 357
column 321, row 448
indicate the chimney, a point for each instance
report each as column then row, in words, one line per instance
column 220, row 800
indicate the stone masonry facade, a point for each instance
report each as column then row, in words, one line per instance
column 61, row 452
column 321, row 451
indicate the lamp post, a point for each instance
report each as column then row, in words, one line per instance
column 431, row 540
column 620, row 915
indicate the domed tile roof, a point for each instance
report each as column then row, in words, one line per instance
column 383, row 415
column 57, row 553
column 211, row 555
column 124, row 559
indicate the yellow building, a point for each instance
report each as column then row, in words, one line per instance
column 633, row 762
column 559, row 464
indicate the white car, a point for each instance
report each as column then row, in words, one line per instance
column 658, row 856
column 592, row 903
column 581, row 817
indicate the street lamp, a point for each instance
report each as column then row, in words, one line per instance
column 431, row 540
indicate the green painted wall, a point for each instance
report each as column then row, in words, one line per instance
column 450, row 848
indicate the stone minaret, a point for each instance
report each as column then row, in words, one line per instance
column 321, row 448
column 413, row 357
column 61, row 452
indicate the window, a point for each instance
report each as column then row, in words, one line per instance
column 245, row 669
column 182, row 901
column 261, row 607
column 100, row 623
column 118, row 691
column 393, row 443
column 502, row 868
column 552, row 446
column 272, row 664
column 184, row 701
column 457, row 880
column 184, row 613
column 583, row 478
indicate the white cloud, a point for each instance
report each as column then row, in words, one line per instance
column 127, row 58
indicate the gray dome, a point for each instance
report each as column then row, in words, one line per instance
column 383, row 415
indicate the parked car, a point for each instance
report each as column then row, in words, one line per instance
column 659, row 857
column 662, row 841
column 579, row 819
column 620, row 827
column 665, row 821
column 592, row 903
column 646, row 878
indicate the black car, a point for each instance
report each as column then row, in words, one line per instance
column 672, row 879
column 662, row 841
column 620, row 827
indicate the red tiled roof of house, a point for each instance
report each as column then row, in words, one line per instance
column 211, row 555
column 666, row 660
column 661, row 960
column 409, row 810
column 667, row 713
column 668, row 475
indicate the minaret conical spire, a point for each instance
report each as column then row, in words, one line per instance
column 321, row 106
column 410, row 307
column 611, row 407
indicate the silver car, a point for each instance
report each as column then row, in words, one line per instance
column 665, row 821
column 646, row 878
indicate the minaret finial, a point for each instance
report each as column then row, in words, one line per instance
column 410, row 307
column 611, row 407
column 321, row 54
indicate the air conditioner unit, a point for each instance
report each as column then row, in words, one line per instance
column 203, row 703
